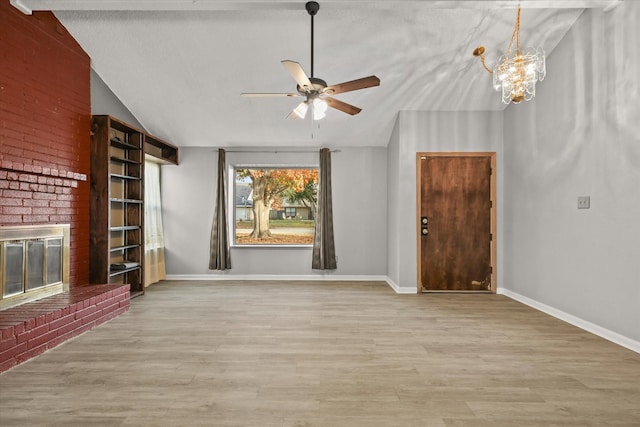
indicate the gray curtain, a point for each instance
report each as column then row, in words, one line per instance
column 324, row 252
column 219, row 255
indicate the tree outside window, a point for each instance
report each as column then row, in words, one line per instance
column 275, row 206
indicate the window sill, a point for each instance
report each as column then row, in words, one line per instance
column 235, row 246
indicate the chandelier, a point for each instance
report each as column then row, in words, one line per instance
column 517, row 70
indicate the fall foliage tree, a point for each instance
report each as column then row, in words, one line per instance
column 269, row 186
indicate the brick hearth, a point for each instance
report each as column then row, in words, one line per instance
column 31, row 329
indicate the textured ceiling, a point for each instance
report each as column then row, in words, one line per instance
column 181, row 71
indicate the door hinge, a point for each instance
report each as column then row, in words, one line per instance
column 491, row 237
column 491, row 270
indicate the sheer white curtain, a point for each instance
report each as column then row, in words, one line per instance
column 154, row 269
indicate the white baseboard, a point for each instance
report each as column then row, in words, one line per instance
column 614, row 337
column 280, row 277
column 328, row 277
column 401, row 289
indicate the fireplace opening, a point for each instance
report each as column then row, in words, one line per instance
column 34, row 262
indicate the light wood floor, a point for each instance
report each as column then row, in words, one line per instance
column 325, row 354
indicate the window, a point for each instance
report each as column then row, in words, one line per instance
column 274, row 206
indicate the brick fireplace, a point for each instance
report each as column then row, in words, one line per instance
column 45, row 110
column 45, row 119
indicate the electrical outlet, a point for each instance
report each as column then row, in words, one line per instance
column 584, row 202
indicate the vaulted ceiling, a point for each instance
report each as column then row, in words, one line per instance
column 179, row 66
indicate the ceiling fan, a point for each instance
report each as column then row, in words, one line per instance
column 315, row 90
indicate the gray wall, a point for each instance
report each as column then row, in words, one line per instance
column 360, row 215
column 430, row 131
column 581, row 136
column 104, row 101
column 393, row 208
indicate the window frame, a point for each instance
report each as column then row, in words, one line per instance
column 231, row 208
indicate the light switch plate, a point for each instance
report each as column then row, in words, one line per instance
column 584, row 202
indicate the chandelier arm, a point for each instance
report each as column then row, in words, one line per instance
column 479, row 52
column 485, row 65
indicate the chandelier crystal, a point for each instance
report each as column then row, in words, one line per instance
column 518, row 70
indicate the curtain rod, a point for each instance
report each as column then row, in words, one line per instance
column 277, row 151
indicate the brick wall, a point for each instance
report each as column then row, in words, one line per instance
column 45, row 119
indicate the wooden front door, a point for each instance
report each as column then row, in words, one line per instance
column 456, row 221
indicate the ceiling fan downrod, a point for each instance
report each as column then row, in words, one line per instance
column 312, row 8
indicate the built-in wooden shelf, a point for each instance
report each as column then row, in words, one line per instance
column 125, row 228
column 162, row 151
column 121, row 200
column 123, row 160
column 124, row 145
column 118, row 154
column 120, row 176
column 114, row 273
column 117, row 207
column 122, row 248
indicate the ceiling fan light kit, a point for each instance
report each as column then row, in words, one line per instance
column 300, row 110
column 517, row 71
column 319, row 108
column 315, row 90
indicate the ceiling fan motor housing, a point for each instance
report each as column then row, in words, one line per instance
column 317, row 86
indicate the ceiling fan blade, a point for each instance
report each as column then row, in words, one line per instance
column 362, row 83
column 342, row 106
column 266, row 95
column 298, row 74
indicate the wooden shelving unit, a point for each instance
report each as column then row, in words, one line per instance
column 118, row 152
column 117, row 203
column 162, row 151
